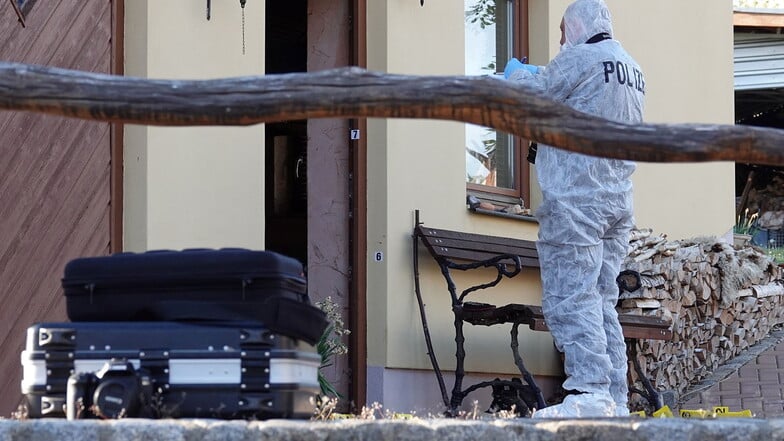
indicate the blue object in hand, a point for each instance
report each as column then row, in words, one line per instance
column 514, row 64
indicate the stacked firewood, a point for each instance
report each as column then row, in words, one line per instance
column 720, row 299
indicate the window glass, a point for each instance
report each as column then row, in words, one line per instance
column 489, row 29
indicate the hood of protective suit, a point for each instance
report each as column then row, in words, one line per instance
column 585, row 18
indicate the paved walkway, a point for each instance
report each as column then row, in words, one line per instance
column 754, row 380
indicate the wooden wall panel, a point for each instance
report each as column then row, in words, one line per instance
column 54, row 176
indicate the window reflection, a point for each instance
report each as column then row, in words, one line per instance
column 489, row 29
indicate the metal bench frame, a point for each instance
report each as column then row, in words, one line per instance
column 480, row 251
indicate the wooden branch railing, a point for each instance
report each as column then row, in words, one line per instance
column 354, row 92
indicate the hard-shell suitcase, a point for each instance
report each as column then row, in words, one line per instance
column 226, row 370
column 194, row 285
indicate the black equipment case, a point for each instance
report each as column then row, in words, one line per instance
column 194, row 285
column 220, row 370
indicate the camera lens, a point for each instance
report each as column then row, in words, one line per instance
column 117, row 397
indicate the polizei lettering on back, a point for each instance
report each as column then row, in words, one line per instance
column 624, row 74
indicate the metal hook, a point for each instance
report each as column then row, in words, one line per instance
column 208, row 9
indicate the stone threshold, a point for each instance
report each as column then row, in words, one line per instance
column 615, row 429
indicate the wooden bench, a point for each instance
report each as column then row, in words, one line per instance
column 454, row 250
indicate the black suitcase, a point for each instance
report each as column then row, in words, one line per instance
column 167, row 369
column 194, row 285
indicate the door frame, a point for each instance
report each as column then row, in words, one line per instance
column 358, row 227
column 116, row 133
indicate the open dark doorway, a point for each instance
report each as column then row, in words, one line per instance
column 286, row 142
column 308, row 163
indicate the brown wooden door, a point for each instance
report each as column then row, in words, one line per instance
column 54, row 176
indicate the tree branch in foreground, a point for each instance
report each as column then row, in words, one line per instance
column 356, row 93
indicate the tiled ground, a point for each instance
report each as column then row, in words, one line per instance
column 753, row 381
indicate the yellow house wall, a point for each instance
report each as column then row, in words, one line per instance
column 689, row 79
column 420, row 165
column 193, row 187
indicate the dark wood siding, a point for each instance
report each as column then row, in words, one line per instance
column 54, row 176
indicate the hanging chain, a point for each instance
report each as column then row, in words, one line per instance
column 242, row 5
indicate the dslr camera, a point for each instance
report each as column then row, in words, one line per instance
column 117, row 390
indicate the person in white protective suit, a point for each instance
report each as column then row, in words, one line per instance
column 586, row 212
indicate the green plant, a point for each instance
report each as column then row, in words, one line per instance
column 746, row 224
column 330, row 344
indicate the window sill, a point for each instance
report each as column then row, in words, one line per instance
column 503, row 214
column 505, row 207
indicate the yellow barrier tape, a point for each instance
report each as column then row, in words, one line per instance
column 720, row 409
column 725, row 412
column 664, row 412
column 717, row 412
column 695, row 413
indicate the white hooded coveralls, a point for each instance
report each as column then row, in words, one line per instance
column 586, row 211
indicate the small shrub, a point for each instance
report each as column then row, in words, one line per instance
column 330, row 344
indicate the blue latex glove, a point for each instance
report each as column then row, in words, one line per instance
column 514, row 64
